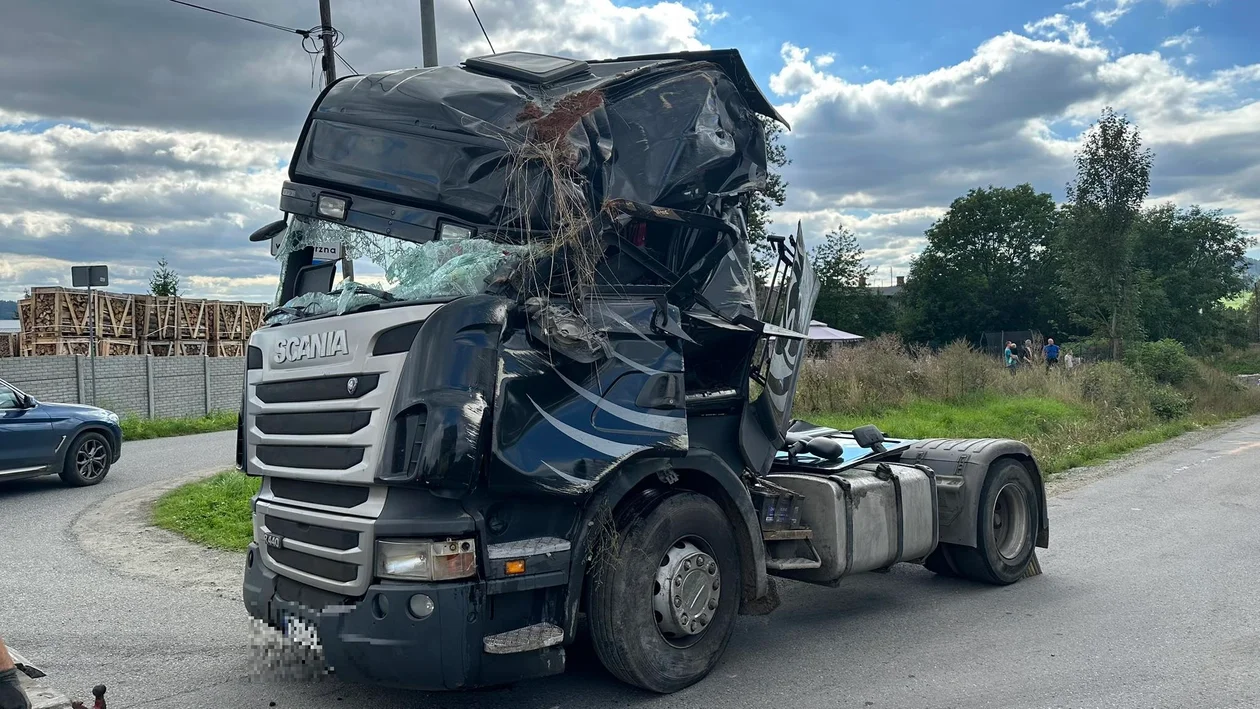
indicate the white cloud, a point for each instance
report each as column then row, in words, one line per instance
column 886, row 158
column 1181, row 41
column 711, row 14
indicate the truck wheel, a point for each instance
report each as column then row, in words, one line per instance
column 87, row 460
column 663, row 600
column 1006, row 534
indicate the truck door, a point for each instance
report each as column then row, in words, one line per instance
column 786, row 314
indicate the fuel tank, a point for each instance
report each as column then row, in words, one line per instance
column 865, row 518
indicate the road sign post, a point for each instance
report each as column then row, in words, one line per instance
column 89, row 276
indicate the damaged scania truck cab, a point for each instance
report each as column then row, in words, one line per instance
column 554, row 399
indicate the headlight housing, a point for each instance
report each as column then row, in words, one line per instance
column 415, row 560
column 111, row 417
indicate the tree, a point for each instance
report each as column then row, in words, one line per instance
column 164, row 281
column 986, row 267
column 1113, row 176
column 1188, row 261
column 771, row 196
column 843, row 302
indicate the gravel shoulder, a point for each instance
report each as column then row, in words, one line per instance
column 117, row 532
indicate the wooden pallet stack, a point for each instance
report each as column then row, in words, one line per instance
column 55, row 321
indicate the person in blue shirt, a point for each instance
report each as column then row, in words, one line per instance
column 1052, row 353
column 1012, row 360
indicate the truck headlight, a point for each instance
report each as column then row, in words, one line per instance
column 426, row 560
column 332, row 207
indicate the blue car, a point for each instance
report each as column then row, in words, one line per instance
column 77, row 442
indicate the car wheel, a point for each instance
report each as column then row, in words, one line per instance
column 87, row 460
column 662, row 604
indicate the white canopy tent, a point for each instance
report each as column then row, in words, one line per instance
column 819, row 332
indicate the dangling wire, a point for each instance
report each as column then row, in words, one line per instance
column 483, row 27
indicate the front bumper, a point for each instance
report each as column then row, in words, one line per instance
column 376, row 640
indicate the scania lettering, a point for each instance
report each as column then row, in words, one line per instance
column 557, row 402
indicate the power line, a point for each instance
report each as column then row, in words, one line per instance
column 272, row 25
column 483, row 27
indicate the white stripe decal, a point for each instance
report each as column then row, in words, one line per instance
column 669, row 424
column 609, row 448
column 642, row 368
column 569, row 478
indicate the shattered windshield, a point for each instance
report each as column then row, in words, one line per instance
column 389, row 269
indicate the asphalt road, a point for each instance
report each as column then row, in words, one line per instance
column 1148, row 600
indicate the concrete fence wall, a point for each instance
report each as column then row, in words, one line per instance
column 153, row 387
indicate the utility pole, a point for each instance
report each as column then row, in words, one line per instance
column 326, row 34
column 428, row 33
column 330, row 75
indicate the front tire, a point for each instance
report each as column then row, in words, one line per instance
column 1006, row 532
column 664, row 598
column 87, row 460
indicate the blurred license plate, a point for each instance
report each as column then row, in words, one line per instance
column 299, row 630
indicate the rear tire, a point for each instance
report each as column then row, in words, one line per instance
column 87, row 461
column 681, row 541
column 1006, row 527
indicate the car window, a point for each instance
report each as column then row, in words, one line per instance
column 8, row 399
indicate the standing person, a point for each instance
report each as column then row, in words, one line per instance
column 1052, row 353
column 11, row 694
column 1025, row 352
column 1012, row 360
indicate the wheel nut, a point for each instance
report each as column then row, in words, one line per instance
column 716, row 585
column 712, row 603
column 713, row 569
column 677, row 580
column 684, row 618
column 693, row 626
column 687, row 565
column 678, row 601
column 704, row 620
column 700, row 559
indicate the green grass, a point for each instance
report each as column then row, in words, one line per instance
column 1061, row 435
column 214, row 512
column 138, row 429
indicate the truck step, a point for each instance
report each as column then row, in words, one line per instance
column 532, row 637
column 793, row 564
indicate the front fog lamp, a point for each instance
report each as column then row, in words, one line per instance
column 332, row 207
column 426, row 561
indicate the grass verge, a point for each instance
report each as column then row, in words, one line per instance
column 214, row 512
column 1061, row 435
column 138, row 429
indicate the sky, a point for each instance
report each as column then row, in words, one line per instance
column 134, row 130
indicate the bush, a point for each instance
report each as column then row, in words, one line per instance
column 1164, row 361
column 1168, row 403
column 1113, row 386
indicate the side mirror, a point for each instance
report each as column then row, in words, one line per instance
column 28, row 401
column 869, row 436
column 266, row 232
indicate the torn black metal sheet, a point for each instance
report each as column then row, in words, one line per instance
column 669, row 130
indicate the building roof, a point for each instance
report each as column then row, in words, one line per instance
column 10, row 326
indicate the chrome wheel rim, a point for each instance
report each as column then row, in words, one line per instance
column 686, row 592
column 91, row 459
column 1010, row 521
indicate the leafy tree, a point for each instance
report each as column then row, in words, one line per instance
column 986, row 267
column 1189, row 260
column 843, row 301
column 1113, row 175
column 164, row 281
column 771, row 196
